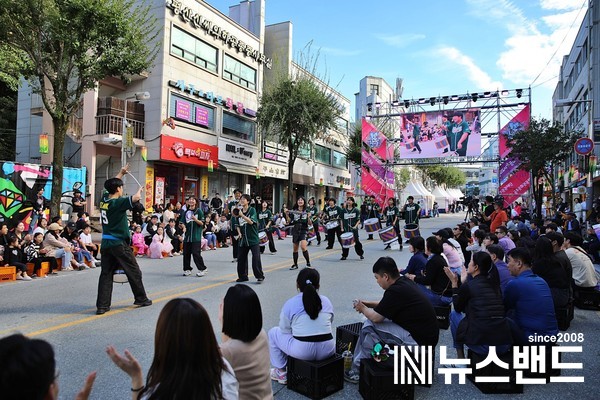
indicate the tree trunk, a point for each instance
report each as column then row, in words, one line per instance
column 289, row 198
column 60, row 130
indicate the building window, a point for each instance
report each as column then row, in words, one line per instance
column 322, row 154
column 183, row 109
column 342, row 125
column 239, row 73
column 374, row 89
column 194, row 50
column 239, row 128
column 304, row 151
column 339, row 160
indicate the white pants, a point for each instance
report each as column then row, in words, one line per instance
column 283, row 344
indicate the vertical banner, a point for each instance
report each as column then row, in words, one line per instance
column 159, row 190
column 514, row 180
column 149, row 201
column 377, row 178
column 204, row 187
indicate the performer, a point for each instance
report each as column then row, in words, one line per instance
column 392, row 215
column 299, row 219
column 313, row 212
column 458, row 137
column 115, row 247
column 351, row 220
column 193, row 218
column 237, row 193
column 373, row 210
column 411, row 213
column 265, row 220
column 416, row 127
column 333, row 213
column 247, row 226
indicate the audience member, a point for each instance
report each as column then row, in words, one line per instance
column 439, row 292
column 58, row 247
column 36, row 254
column 503, row 240
column 418, row 260
column 584, row 275
column 139, row 244
column 497, row 255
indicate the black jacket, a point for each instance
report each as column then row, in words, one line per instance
column 435, row 276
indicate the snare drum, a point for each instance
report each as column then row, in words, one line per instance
column 372, row 225
column 332, row 224
column 262, row 238
column 388, row 235
column 311, row 234
column 347, row 240
column 411, row 230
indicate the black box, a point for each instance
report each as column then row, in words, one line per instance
column 345, row 335
column 316, row 379
column 377, row 383
column 587, row 299
column 564, row 316
column 443, row 316
column 494, row 370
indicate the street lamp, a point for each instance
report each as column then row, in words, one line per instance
column 125, row 138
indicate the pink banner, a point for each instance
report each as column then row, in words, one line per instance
column 183, row 110
column 508, row 166
column 373, row 186
column 374, row 139
column 518, row 123
column 201, row 116
column 516, row 186
column 377, row 167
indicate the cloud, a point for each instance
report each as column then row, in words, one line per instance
column 501, row 12
column 401, row 40
column 340, row 52
column 473, row 72
column 560, row 4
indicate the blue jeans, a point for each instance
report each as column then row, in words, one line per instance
column 65, row 255
column 436, row 299
column 212, row 239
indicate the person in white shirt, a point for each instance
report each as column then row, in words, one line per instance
column 584, row 274
column 42, row 225
column 85, row 238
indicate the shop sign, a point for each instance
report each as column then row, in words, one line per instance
column 275, row 152
column 187, row 151
column 159, row 190
column 199, row 22
column 342, row 180
column 238, row 153
column 183, row 112
column 149, row 189
column 584, row 146
column 272, row 171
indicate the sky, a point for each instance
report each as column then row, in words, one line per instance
column 438, row 47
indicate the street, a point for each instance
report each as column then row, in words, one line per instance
column 61, row 309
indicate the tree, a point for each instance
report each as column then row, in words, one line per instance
column 8, row 122
column 296, row 112
column 541, row 147
column 444, row 175
column 402, row 178
column 68, row 47
column 354, row 147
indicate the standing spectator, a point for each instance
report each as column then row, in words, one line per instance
column 436, row 210
column 115, row 248
column 216, row 204
column 498, row 217
column 193, row 219
column 168, row 213
column 77, row 204
column 38, row 204
column 579, row 210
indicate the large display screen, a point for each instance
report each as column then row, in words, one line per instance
column 444, row 133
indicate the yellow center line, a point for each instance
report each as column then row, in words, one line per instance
column 179, row 293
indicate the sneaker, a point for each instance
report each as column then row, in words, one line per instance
column 82, row 266
column 241, row 280
column 20, row 278
column 260, row 280
column 224, row 246
column 69, row 268
column 273, row 252
column 201, row 273
column 294, row 266
column 351, row 376
column 187, row 273
column 26, row 277
column 343, row 258
column 144, row 303
column 279, row 375
column 362, row 257
column 234, row 260
column 328, row 247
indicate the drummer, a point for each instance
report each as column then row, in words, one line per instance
column 373, row 210
column 392, row 215
column 313, row 212
column 265, row 220
column 333, row 214
column 411, row 212
column 351, row 220
column 299, row 219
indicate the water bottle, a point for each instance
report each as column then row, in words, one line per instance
column 347, row 354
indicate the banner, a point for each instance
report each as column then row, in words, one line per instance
column 436, row 134
column 514, row 181
column 159, row 190
column 373, row 186
column 376, row 167
column 377, row 178
column 516, row 186
column 518, row 123
column 149, row 200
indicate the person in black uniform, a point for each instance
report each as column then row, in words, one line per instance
column 351, row 220
column 237, row 193
column 411, row 212
column 299, row 219
column 333, row 214
column 373, row 210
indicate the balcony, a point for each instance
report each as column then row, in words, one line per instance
column 113, row 125
column 109, row 119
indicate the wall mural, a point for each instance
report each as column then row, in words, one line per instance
column 19, row 184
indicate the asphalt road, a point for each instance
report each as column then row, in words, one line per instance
column 61, row 310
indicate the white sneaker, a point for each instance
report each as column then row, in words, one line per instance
column 26, row 277
column 82, row 266
column 20, row 278
column 69, row 268
column 187, row 273
column 202, row 273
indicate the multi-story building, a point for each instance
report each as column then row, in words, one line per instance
column 197, row 133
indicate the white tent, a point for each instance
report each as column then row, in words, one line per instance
column 430, row 197
column 442, row 198
column 456, row 193
column 419, row 193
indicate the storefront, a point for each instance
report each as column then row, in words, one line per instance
column 331, row 182
column 238, row 164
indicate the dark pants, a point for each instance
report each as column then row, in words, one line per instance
column 193, row 249
column 19, row 266
column 37, row 263
column 357, row 245
column 242, row 265
column 317, row 232
column 222, row 236
column 176, row 243
column 331, row 234
column 272, row 248
column 234, row 245
column 114, row 258
column 416, row 142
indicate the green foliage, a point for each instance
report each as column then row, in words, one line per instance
column 354, row 147
column 67, row 46
column 402, row 178
column 8, row 122
column 444, row 175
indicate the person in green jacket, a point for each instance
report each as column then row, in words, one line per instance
column 193, row 219
column 313, row 211
column 332, row 213
column 265, row 220
column 247, row 226
column 351, row 220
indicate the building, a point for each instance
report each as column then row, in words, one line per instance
column 196, row 134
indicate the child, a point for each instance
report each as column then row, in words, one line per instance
column 13, row 256
column 137, row 240
column 156, row 247
column 85, row 239
column 37, row 255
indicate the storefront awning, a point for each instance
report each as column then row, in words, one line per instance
column 303, row 179
column 238, row 168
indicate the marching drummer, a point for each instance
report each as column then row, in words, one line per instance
column 392, row 215
column 333, row 214
column 411, row 212
column 373, row 210
column 265, row 220
column 351, row 220
column 313, row 212
column 300, row 219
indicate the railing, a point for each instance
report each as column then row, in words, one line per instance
column 113, row 124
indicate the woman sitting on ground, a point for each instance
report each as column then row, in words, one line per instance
column 57, row 246
column 210, row 229
column 477, row 245
column 187, row 363
column 13, row 256
column 416, row 264
column 244, row 342
column 304, row 330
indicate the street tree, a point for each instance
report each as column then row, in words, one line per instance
column 295, row 111
column 541, row 148
column 354, row 146
column 444, row 175
column 68, row 46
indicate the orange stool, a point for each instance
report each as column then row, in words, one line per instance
column 8, row 274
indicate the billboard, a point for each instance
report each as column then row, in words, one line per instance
column 444, row 133
column 514, row 177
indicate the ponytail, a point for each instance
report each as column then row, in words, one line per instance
column 308, row 283
column 487, row 268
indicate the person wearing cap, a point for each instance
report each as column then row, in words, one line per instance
column 57, row 246
column 350, row 222
column 115, row 249
column 77, row 203
column 458, row 136
column 572, row 223
column 498, row 217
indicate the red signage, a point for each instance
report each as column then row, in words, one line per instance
column 584, row 146
column 188, row 152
